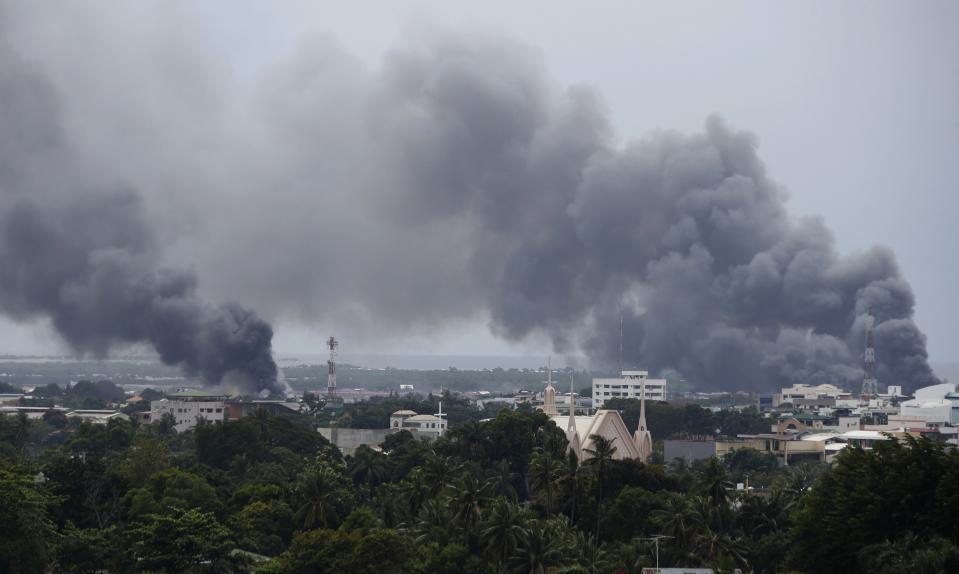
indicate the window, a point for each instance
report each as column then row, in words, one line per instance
column 219, row 410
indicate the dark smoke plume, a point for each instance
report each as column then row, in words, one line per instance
column 452, row 182
column 87, row 259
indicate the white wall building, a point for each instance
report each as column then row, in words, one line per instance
column 188, row 406
column 935, row 404
column 789, row 394
column 429, row 425
column 628, row 387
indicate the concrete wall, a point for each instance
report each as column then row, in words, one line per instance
column 688, row 449
column 348, row 440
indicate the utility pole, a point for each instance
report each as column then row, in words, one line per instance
column 656, row 540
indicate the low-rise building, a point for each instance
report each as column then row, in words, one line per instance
column 787, row 448
column 420, row 426
column 423, row 425
column 239, row 409
column 32, row 413
column 628, row 387
column 810, row 392
column 187, row 406
column 97, row 416
column 799, row 422
column 11, row 399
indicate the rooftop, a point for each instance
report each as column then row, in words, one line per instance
column 820, row 437
column 423, row 418
column 864, row 435
column 191, row 394
column 804, row 417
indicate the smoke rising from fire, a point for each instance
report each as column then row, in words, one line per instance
column 87, row 259
column 453, row 181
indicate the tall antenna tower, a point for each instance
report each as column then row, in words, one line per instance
column 620, row 340
column 869, row 384
column 331, row 344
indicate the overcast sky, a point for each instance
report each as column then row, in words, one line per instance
column 855, row 105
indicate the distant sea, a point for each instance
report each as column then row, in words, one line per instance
column 426, row 362
column 943, row 370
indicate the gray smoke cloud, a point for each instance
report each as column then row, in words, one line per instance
column 452, row 181
column 86, row 257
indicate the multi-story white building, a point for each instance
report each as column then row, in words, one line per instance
column 628, row 387
column 187, row 407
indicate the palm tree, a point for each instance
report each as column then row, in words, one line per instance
column 593, row 559
column 676, row 519
column 21, row 433
column 261, row 420
column 760, row 516
column 320, row 490
column 910, row 553
column 542, row 549
column 631, row 557
column 570, row 481
column 470, row 440
column 439, row 471
column 412, row 494
column 717, row 546
column 368, row 467
column 601, row 457
column 499, row 480
column 503, row 530
column 466, row 497
column 433, row 521
column 544, row 469
column 715, row 482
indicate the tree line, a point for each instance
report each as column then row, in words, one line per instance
column 270, row 494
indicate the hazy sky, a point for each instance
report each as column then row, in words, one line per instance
column 854, row 105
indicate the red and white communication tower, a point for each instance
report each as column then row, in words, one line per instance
column 331, row 344
column 870, row 388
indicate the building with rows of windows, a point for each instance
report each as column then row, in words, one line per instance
column 188, row 406
column 630, row 386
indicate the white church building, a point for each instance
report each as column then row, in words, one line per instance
column 580, row 429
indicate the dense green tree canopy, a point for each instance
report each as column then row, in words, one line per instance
column 491, row 496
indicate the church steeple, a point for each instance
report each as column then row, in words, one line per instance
column 572, row 435
column 549, row 395
column 642, row 437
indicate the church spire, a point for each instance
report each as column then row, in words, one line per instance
column 572, row 435
column 642, row 437
column 549, row 394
